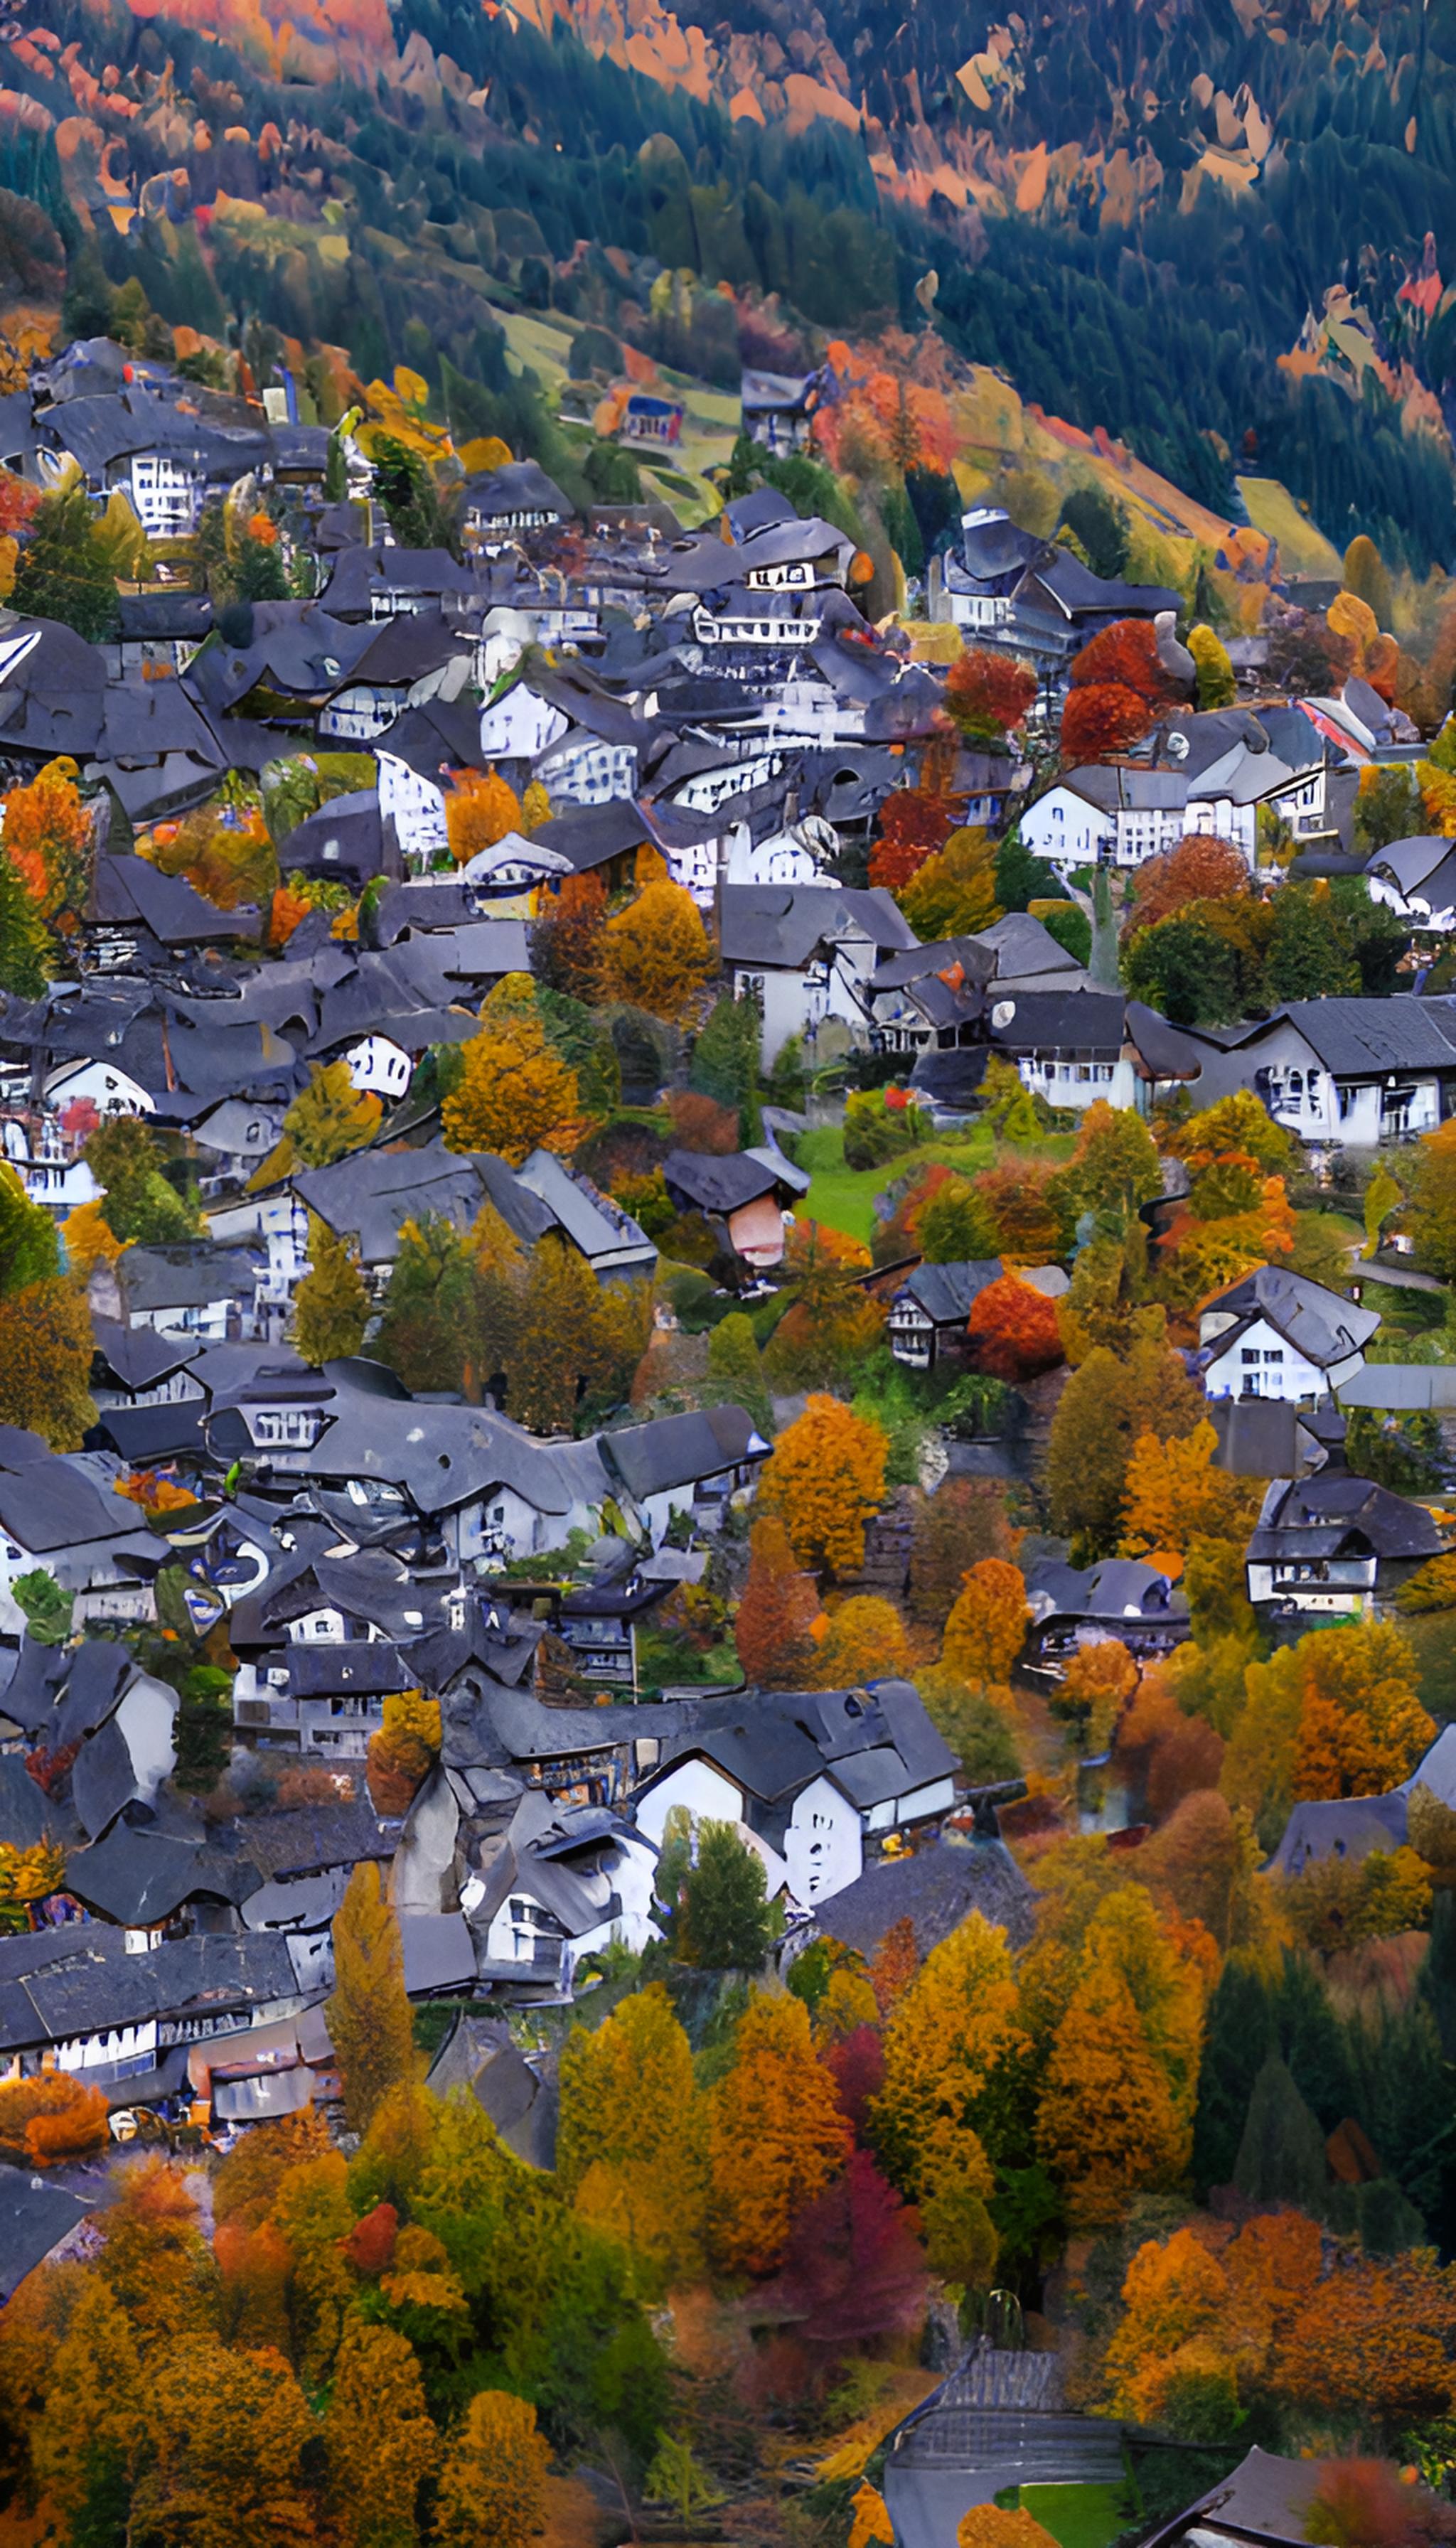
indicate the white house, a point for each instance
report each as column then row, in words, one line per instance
column 1278, row 1334
column 111, row 1090
column 1352, row 1072
column 567, row 1882
column 811, row 1776
column 805, row 954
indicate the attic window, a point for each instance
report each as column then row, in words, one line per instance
column 444, row 1459
column 853, row 1707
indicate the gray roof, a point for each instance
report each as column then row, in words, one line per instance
column 1335, row 1513
column 717, row 1182
column 946, row 1292
column 679, row 1450
column 938, row 1887
column 35, row 2215
column 86, row 1982
column 781, row 925
column 1361, row 1039
column 1340, row 1827
column 1319, row 1324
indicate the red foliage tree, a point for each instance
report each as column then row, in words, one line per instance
column 852, row 2272
column 989, row 693
column 1013, row 1332
column 1102, row 720
column 1125, row 657
column 370, row 2244
column 1201, row 868
column 857, row 2062
column 913, row 827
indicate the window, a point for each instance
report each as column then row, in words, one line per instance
column 1274, row 1354
column 1250, row 1354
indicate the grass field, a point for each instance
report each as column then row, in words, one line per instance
column 1077, row 2516
column 843, row 1198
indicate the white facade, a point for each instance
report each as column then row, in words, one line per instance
column 1079, row 1083
column 380, row 1065
column 166, row 498
column 1262, row 1365
column 586, row 769
column 519, row 726
column 416, row 806
column 1307, row 1099
column 359, row 713
column 112, row 1090
column 524, row 1932
column 824, row 1845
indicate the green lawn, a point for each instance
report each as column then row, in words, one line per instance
column 1077, row 2516
column 843, row 1198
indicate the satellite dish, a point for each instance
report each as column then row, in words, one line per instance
column 1177, row 747
column 1003, row 1013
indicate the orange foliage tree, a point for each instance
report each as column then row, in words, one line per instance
column 657, row 954
column 951, row 2032
column 824, row 1480
column 1175, row 1495
column 516, row 1093
column 1026, row 1201
column 832, row 1322
column 913, row 826
column 49, row 834
column 986, row 1626
column 862, row 1640
column 989, row 693
column 1203, row 2327
column 1013, row 1330
column 777, row 2135
column 1118, row 685
column 772, row 1628
column 480, row 809
column 1374, row 2342
column 1201, row 868
column 1335, row 1715
column 49, row 2119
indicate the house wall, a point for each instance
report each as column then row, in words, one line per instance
column 1354, row 1114
column 824, row 1846
column 146, row 1719
column 111, row 1091
column 1079, row 1083
column 1062, row 825
column 416, row 808
column 379, row 1064
column 703, row 1789
column 1263, row 1365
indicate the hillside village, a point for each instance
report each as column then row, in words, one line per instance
column 714, row 1307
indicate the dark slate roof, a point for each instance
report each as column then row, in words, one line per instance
column 189, row 1275
column 937, row 1887
column 1069, row 1022
column 518, row 487
column 677, row 1450
column 714, row 1182
column 1321, row 1324
column 782, row 924
column 309, row 1838
column 1357, row 1039
column 48, row 1500
column 946, row 1292
column 139, row 1876
column 35, row 2215
column 85, row 1982
column 132, row 892
column 1332, row 1512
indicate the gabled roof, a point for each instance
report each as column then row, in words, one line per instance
column 713, row 1182
column 946, row 1292
column 781, row 925
column 1334, row 1513
column 1321, row 1324
column 937, row 1888
column 1358, row 1039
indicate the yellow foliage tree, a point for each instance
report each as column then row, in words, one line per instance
column 824, row 1480
column 657, row 952
column 369, row 2017
column 1175, row 1495
column 1106, row 2123
column 777, row 2135
column 948, row 2034
column 516, row 1095
column 862, row 1640
column 480, row 809
column 493, row 2486
column 378, row 2437
column 630, row 2143
column 1336, row 1715
column 996, row 2526
column 46, row 1350
column 89, row 1240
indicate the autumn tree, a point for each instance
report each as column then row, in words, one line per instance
column 1201, row 868
column 1012, row 1332
column 952, row 894
column 52, row 2117
column 45, row 1351
column 1106, row 2125
column 568, row 938
column 404, row 1751
column 824, row 1480
column 776, row 2136
column 1336, row 1714
column 1110, row 1402
column 988, row 694
column 831, row 1323
column 1118, row 683
column 427, row 1330
column 326, row 1122
column 227, row 2435
column 50, row 836
column 138, row 1201
column 516, row 1094
column 852, row 2273
column 986, row 1626
column 492, row 2482
column 64, row 572
column 1030, row 1199
column 952, row 1529
column 861, row 1640
column 1175, row 1495
column 27, row 1248
column 658, row 954
column 775, row 1614
column 955, row 1225
column 1431, row 1209
column 26, row 953
column 913, row 826
column 952, row 2040
column 379, row 2440
column 630, row 2142
column 1115, row 1167
column 332, row 1305
column 1216, row 685
column 480, row 809
column 87, row 2443
column 1373, row 2344
column 994, row 2526
column 369, row 2017
column 1096, row 1684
